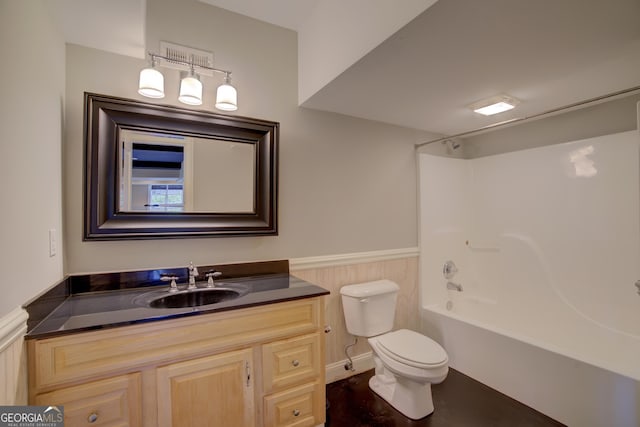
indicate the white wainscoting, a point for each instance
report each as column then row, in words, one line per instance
column 336, row 371
column 297, row 264
column 334, row 271
column 13, row 358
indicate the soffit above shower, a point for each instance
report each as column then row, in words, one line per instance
column 545, row 53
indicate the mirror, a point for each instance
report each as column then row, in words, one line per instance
column 178, row 173
column 154, row 171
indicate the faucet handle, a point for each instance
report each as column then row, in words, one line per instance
column 166, row 277
column 210, row 275
column 449, row 270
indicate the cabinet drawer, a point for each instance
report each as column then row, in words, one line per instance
column 296, row 407
column 111, row 402
column 290, row 361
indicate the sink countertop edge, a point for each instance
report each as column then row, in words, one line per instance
column 53, row 324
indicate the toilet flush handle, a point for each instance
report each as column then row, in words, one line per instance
column 364, row 300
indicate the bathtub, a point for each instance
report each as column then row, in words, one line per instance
column 546, row 242
column 544, row 368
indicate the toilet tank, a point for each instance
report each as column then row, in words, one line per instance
column 369, row 308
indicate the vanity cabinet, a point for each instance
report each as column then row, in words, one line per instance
column 258, row 366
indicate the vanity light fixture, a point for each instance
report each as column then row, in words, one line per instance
column 494, row 105
column 226, row 95
column 151, row 83
column 190, row 88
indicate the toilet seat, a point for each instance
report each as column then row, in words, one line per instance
column 412, row 349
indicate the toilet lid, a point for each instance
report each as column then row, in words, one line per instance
column 412, row 348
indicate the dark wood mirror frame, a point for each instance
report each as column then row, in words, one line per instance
column 106, row 116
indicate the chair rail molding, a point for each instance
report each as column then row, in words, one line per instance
column 13, row 326
column 298, row 264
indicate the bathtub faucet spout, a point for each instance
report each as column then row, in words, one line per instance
column 454, row 286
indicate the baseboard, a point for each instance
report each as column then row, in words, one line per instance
column 13, row 326
column 361, row 363
column 296, row 264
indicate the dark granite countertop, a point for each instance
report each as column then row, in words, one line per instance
column 115, row 308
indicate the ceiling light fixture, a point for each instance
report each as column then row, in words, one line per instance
column 494, row 105
column 151, row 83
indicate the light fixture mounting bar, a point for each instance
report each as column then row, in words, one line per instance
column 155, row 57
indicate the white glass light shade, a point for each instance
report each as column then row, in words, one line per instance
column 151, row 83
column 226, row 97
column 190, row 90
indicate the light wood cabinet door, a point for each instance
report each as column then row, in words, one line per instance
column 113, row 402
column 209, row 391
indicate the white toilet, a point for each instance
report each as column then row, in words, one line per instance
column 406, row 362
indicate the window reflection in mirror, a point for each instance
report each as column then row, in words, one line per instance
column 177, row 173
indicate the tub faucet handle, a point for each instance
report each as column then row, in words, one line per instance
column 449, row 270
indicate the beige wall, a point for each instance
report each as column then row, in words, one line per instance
column 403, row 271
column 31, row 107
column 346, row 185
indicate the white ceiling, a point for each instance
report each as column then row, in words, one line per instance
column 113, row 25
column 547, row 53
column 284, row 13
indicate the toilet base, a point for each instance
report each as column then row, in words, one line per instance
column 410, row 398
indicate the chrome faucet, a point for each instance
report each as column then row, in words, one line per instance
column 193, row 273
column 454, row 286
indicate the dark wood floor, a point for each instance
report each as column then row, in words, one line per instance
column 458, row 401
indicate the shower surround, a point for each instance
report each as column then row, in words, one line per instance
column 547, row 244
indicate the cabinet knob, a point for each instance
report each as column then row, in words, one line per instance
column 296, row 413
column 92, row 418
column 295, row 363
